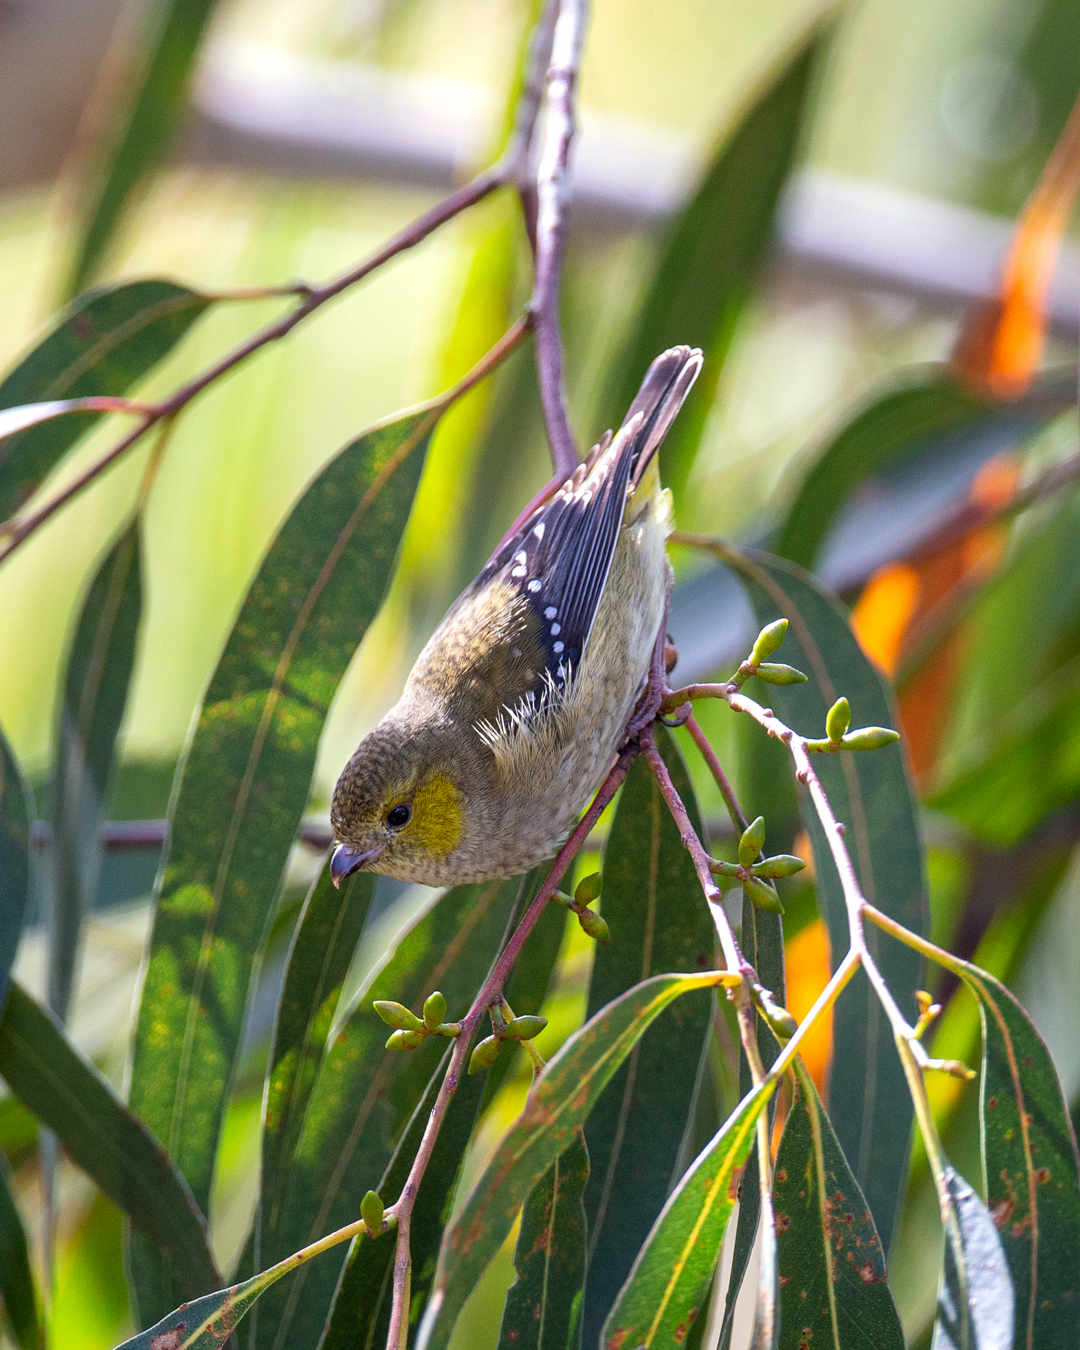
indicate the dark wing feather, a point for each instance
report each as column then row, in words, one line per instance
column 559, row 558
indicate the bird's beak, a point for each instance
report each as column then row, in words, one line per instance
column 345, row 861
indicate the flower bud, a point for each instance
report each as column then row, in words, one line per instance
column 752, row 841
column 405, row 1040
column 768, row 640
column 371, row 1211
column 838, row 719
column 775, row 672
column 779, row 1019
column 761, row 894
column 397, row 1015
column 779, row 865
column 594, row 925
column 484, row 1054
column 869, row 738
column 588, row 889
column 524, row 1028
column 434, row 1011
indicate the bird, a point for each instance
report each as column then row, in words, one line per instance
column 517, row 706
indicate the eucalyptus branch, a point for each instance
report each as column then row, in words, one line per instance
column 509, row 169
column 553, row 192
column 490, row 994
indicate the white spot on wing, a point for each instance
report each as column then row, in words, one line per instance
column 538, row 530
column 556, row 629
column 533, row 585
column 550, row 612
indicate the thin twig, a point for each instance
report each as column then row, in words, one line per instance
column 553, row 192
column 490, row 993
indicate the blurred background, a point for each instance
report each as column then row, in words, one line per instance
column 296, row 138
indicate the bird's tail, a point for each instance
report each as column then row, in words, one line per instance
column 663, row 391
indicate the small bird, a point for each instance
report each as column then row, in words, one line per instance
column 516, row 708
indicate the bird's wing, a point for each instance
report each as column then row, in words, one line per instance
column 558, row 561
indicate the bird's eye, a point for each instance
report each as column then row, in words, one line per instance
column 399, row 816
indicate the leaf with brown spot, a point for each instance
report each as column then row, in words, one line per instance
column 832, row 1268
column 1031, row 1169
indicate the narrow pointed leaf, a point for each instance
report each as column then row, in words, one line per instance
column 111, row 1145
column 667, row 1287
column 95, row 692
column 975, row 1301
column 102, row 344
column 932, row 419
column 832, row 1268
column 636, row 1131
column 1031, row 1170
column 19, row 1301
column 363, row 1101
column 714, row 250
column 543, row 1305
column 16, row 815
column 327, row 932
column 243, row 785
column 153, row 115
column 872, row 794
column 762, row 941
column 559, row 1102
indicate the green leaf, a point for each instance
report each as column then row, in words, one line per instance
column 559, row 1102
column 362, row 1300
column 102, row 344
column 16, row 815
column 543, row 1306
column 96, row 683
column 713, row 253
column 364, row 1099
column 322, row 949
column 243, row 785
column 18, row 1294
column 635, row 1132
column 1031, row 1168
column 110, row 1144
column 933, row 416
column 832, row 1267
column 666, row 1289
column 151, row 118
column 975, row 1300
column 872, row 794
column 762, row 941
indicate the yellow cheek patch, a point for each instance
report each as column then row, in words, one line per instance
column 438, row 815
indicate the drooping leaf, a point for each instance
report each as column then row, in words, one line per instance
column 363, row 1100
column 322, row 948
column 102, row 344
column 151, row 118
column 714, row 250
column 543, row 1306
column 107, row 1141
column 666, row 1289
column 559, row 1102
column 927, row 422
column 16, row 815
column 832, row 1267
column 635, row 1133
column 360, row 1314
column 872, row 794
column 975, row 1300
column 1031, row 1168
column 243, row 785
column 762, row 943
column 19, row 1301
column 95, row 691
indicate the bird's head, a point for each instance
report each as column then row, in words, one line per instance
column 400, row 805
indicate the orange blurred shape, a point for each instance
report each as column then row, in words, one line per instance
column 883, row 613
column 807, row 971
column 999, row 347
